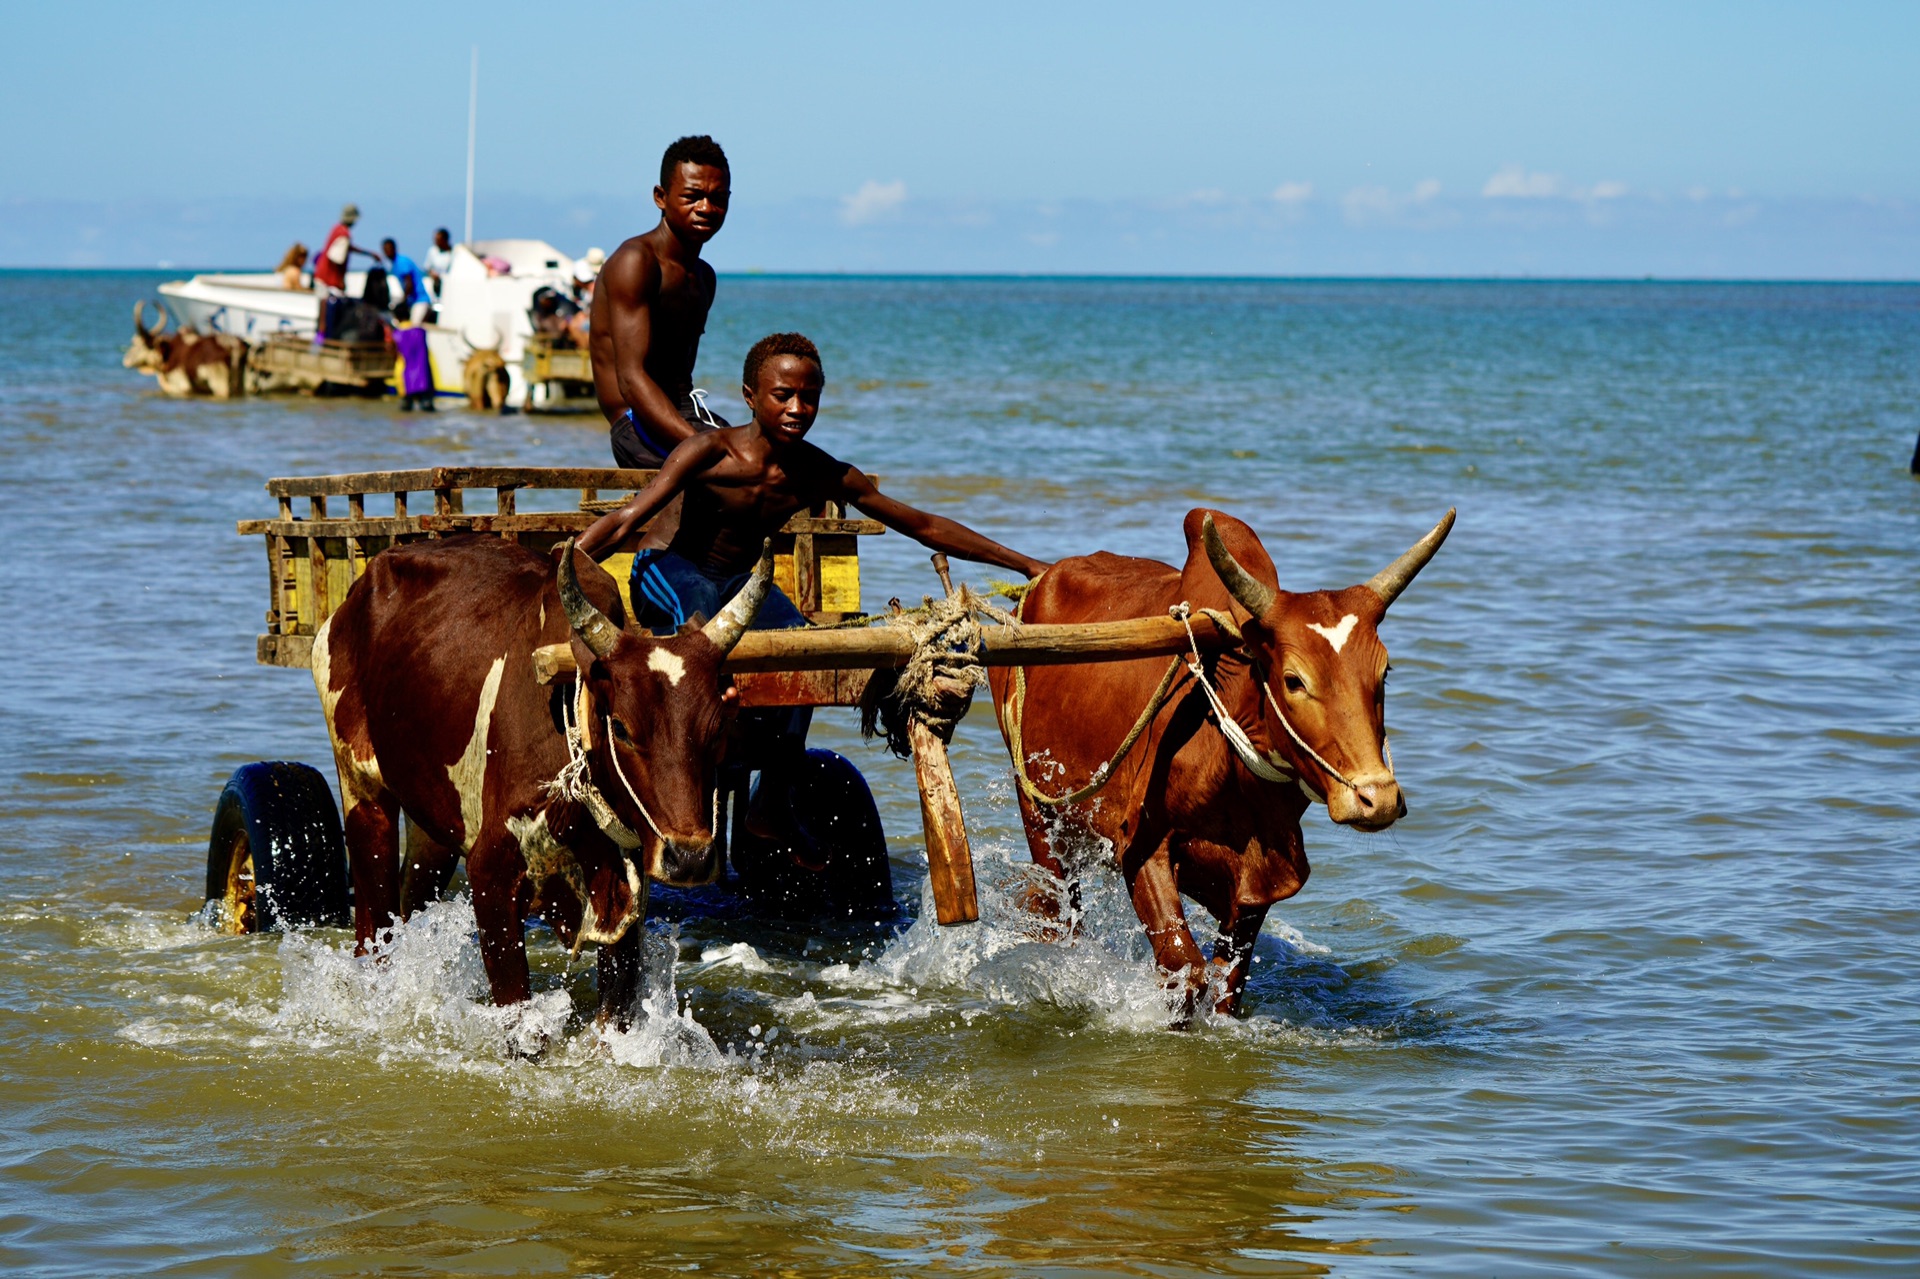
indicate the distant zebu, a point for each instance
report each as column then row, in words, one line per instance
column 426, row 676
column 1184, row 812
column 186, row 362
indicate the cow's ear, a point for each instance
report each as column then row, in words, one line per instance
column 692, row 626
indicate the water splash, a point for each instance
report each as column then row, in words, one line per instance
column 420, row 989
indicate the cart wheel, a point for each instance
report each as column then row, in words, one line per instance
column 832, row 801
column 277, row 858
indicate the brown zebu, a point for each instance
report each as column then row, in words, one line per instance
column 1184, row 812
column 186, row 362
column 426, row 676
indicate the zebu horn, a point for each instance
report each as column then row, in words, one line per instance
column 1391, row 580
column 166, row 318
column 588, row 622
column 726, row 629
column 1253, row 595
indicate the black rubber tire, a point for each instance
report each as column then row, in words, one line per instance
column 838, row 811
column 282, row 814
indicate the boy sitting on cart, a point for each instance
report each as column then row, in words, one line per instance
column 741, row 484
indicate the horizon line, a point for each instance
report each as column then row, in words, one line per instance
column 1221, row 278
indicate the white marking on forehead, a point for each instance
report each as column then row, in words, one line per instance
column 672, row 665
column 1335, row 635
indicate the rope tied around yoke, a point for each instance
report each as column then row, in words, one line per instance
column 936, row 685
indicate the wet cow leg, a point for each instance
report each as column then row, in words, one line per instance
column 494, row 871
column 373, row 856
column 620, row 966
column 1156, row 899
column 427, row 867
column 1038, row 900
column 1234, row 954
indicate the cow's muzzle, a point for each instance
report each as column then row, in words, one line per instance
column 685, row 863
column 1373, row 802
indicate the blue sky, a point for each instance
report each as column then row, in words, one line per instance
column 1471, row 138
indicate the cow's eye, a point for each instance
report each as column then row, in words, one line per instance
column 620, row 731
column 1293, row 683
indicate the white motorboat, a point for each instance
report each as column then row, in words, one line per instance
column 480, row 308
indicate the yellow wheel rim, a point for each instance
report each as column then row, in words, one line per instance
column 239, row 896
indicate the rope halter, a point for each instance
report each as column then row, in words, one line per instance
column 1268, row 769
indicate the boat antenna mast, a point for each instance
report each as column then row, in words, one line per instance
column 473, row 112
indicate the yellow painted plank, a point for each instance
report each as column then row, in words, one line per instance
column 621, row 566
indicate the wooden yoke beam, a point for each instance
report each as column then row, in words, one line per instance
column 887, row 647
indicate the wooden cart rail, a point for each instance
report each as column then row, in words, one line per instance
column 315, row 556
column 545, row 362
column 288, row 361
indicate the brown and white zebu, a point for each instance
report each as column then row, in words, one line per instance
column 1184, row 813
column 186, row 362
column 426, row 676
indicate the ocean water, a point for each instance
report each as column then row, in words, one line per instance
column 1631, row 991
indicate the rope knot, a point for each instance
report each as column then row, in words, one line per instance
column 936, row 685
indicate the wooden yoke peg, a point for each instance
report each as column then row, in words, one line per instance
column 949, row 855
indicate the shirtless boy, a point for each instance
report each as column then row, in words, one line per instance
column 741, row 484
column 650, row 308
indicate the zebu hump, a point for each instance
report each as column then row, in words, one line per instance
column 1101, row 587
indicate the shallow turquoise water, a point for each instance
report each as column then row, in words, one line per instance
column 1631, row 990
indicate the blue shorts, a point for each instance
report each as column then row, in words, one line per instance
column 669, row 589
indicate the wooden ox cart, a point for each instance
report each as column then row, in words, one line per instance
column 295, row 362
column 277, row 851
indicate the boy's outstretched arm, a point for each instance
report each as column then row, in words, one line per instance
column 688, row 458
column 936, row 531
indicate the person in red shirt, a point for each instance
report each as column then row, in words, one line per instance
column 330, row 264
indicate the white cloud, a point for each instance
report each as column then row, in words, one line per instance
column 873, row 201
column 1608, row 190
column 1382, row 204
column 1514, row 182
column 1364, row 204
column 1293, row 193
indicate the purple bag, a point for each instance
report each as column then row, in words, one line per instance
column 416, row 373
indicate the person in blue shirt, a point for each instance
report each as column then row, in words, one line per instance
column 401, row 269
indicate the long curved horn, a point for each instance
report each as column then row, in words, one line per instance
column 139, row 320
column 588, row 622
column 726, row 629
column 1391, row 580
column 166, row 318
column 1254, row 595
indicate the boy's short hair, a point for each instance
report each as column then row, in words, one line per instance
column 696, row 149
column 778, row 344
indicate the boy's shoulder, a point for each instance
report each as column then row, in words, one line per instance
column 814, row 465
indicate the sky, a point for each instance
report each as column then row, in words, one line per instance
column 1472, row 138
